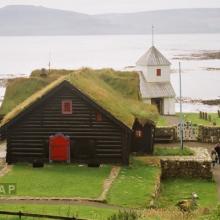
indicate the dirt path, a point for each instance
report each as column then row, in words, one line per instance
column 108, row 182
column 5, row 170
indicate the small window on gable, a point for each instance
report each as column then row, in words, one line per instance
column 139, row 133
column 67, row 108
column 99, row 117
column 158, row 72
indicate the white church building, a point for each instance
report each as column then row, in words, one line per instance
column 155, row 86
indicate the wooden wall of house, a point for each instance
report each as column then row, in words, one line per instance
column 143, row 138
column 91, row 141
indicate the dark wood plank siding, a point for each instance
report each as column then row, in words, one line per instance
column 145, row 143
column 28, row 137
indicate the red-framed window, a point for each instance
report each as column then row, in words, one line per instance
column 158, row 72
column 138, row 133
column 67, row 107
column 99, row 117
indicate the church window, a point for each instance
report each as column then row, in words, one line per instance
column 158, row 72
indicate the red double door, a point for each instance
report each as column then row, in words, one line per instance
column 59, row 147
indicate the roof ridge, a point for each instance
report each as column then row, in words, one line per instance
column 153, row 57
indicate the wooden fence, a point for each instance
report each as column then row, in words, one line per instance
column 22, row 214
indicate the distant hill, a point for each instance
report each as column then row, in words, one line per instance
column 33, row 20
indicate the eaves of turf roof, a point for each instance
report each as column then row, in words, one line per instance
column 91, row 85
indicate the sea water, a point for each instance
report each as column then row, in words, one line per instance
column 21, row 55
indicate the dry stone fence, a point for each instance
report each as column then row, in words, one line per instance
column 196, row 166
column 191, row 132
column 209, row 134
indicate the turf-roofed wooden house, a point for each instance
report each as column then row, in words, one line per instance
column 77, row 118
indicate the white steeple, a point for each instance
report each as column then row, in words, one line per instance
column 154, row 66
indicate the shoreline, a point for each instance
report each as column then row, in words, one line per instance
column 200, row 55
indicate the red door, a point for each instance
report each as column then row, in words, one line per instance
column 59, row 147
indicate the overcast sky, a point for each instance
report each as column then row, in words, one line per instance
column 105, row 6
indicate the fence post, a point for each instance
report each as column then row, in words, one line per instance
column 20, row 214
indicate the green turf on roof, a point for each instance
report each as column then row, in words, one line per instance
column 124, row 106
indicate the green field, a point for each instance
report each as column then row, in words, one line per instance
column 191, row 117
column 172, row 151
column 194, row 118
column 80, row 211
column 57, row 180
column 134, row 186
column 95, row 213
column 174, row 190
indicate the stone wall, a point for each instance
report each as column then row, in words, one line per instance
column 204, row 134
column 165, row 134
column 197, row 166
column 209, row 134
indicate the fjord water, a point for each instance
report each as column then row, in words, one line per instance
column 20, row 55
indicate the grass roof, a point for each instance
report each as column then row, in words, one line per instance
column 115, row 91
column 19, row 89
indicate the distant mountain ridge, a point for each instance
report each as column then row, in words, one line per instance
column 37, row 20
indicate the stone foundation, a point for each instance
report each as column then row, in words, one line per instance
column 197, row 166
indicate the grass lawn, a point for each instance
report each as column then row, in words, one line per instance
column 194, row 118
column 87, row 212
column 57, row 180
column 134, row 185
column 172, row 151
column 174, row 190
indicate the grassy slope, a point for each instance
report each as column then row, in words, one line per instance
column 194, row 117
column 87, row 212
column 126, row 83
column 57, row 180
column 174, row 190
column 134, row 186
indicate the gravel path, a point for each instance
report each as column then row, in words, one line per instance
column 108, row 182
column 5, row 170
column 2, row 149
